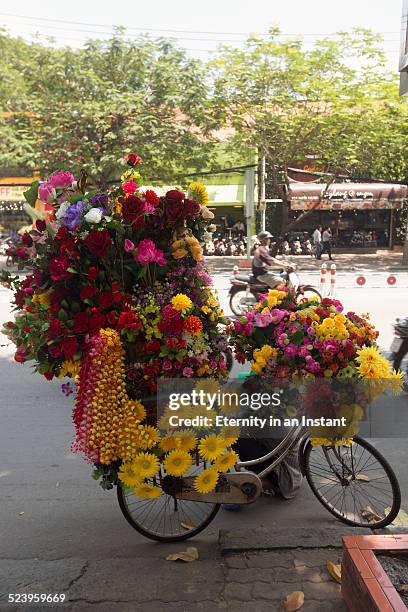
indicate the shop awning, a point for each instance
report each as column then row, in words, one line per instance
column 346, row 196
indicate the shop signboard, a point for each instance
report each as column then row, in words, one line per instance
column 347, row 196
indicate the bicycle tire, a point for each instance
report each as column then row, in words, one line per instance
column 154, row 536
column 395, row 506
column 232, row 305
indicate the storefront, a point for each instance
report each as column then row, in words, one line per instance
column 359, row 214
column 12, row 214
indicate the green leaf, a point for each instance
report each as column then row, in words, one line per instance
column 31, row 194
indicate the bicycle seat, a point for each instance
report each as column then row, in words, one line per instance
column 244, row 277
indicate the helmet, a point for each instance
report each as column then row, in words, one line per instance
column 264, row 235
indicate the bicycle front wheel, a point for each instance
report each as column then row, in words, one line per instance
column 354, row 483
column 166, row 518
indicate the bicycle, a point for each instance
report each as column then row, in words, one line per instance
column 181, row 512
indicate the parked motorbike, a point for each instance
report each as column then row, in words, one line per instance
column 307, row 248
column 399, row 346
column 285, row 248
column 246, row 289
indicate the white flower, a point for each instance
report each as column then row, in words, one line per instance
column 62, row 210
column 94, row 215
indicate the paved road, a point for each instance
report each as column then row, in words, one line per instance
column 52, row 509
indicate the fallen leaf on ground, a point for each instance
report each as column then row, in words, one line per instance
column 191, row 554
column 188, row 524
column 362, row 477
column 294, row 601
column 334, row 571
column 403, row 588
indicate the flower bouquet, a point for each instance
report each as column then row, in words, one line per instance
column 118, row 295
column 331, row 357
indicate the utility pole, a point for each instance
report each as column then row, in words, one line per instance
column 262, row 199
column 249, row 205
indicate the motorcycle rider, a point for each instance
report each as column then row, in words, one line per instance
column 262, row 260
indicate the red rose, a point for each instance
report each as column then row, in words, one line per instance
column 96, row 320
column 55, row 351
column 40, row 225
column 68, row 247
column 111, row 318
column 133, row 159
column 55, row 328
column 21, row 253
column 87, row 292
column 62, row 234
column 98, row 242
column 153, row 346
column 128, row 320
column 133, row 211
column 69, row 347
column 92, row 273
column 58, row 268
column 20, row 355
column 49, row 375
column 151, row 197
column 26, row 239
column 175, row 195
column 106, row 299
column 80, row 323
column 191, row 209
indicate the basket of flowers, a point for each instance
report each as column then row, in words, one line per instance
column 329, row 356
column 118, row 296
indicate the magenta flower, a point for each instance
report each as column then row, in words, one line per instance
column 129, row 246
column 278, row 315
column 147, row 253
column 130, row 187
column 188, row 372
column 46, row 192
column 263, row 319
column 167, row 364
column 61, row 180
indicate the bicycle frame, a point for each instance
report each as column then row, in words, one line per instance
column 283, row 448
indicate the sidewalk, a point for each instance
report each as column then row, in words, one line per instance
column 382, row 261
column 250, row 568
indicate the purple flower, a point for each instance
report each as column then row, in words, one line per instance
column 67, row 389
column 72, row 217
column 99, row 199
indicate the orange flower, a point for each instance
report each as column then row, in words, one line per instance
column 193, row 325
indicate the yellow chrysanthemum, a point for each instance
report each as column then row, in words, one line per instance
column 149, row 491
column 148, row 436
column 211, row 447
column 145, row 465
column 181, row 302
column 226, row 461
column 206, row 481
column 128, row 475
column 138, row 409
column 177, row 462
column 70, row 368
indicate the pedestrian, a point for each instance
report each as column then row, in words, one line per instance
column 317, row 241
column 327, row 242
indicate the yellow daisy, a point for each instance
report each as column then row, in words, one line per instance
column 169, row 443
column 226, row 461
column 143, row 489
column 70, row 368
column 211, row 447
column 230, row 434
column 177, row 462
column 186, row 439
column 198, row 193
column 206, row 481
column 181, row 302
column 138, row 409
column 145, row 465
column 128, row 474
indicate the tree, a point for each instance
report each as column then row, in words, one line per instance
column 334, row 101
column 89, row 106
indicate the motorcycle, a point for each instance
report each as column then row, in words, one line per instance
column 307, row 248
column 245, row 290
column 285, row 248
column 296, row 247
column 399, row 346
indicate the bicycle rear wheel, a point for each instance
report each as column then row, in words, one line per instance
column 354, row 483
column 166, row 519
